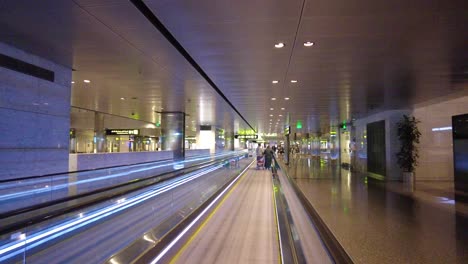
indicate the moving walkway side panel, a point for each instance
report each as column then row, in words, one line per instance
column 319, row 243
column 311, row 246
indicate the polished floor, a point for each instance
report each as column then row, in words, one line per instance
column 242, row 229
column 384, row 223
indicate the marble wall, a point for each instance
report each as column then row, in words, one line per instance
column 391, row 117
column 196, row 152
column 435, row 149
column 34, row 119
column 103, row 160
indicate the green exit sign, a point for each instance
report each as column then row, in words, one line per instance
column 299, row 124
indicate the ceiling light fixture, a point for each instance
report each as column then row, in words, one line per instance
column 272, row 109
column 72, row 82
column 273, row 99
column 308, row 44
column 122, row 98
column 294, row 81
column 282, row 108
column 280, row 115
column 86, row 81
column 271, row 115
column 286, row 98
column 279, row 45
column 275, row 81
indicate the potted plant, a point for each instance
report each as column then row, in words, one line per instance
column 408, row 135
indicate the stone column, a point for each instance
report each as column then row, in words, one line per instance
column 173, row 133
column 286, row 150
column 229, row 141
column 99, row 133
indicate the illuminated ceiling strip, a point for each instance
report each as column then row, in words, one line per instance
column 442, row 128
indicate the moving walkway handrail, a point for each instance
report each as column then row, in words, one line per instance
column 291, row 249
column 80, row 171
column 332, row 245
column 4, row 229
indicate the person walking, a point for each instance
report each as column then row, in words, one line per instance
column 268, row 157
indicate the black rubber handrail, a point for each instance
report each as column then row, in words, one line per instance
column 291, row 247
column 332, row 245
column 96, row 169
column 78, row 171
column 21, row 224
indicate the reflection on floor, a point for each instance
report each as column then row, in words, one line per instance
column 380, row 222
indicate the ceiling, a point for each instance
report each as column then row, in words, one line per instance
column 368, row 55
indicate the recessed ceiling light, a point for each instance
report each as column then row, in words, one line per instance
column 280, row 115
column 294, row 81
column 273, row 98
column 86, row 81
column 271, row 115
column 272, row 109
column 308, row 44
column 271, row 119
column 122, row 98
column 72, row 82
column 286, row 98
column 282, row 108
column 275, row 81
column 279, row 45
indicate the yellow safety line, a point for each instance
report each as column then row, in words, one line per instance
column 182, row 249
column 277, row 224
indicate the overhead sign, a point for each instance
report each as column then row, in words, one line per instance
column 122, row 131
column 246, row 136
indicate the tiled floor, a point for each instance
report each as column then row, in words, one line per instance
column 385, row 223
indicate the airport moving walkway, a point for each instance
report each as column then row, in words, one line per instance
column 221, row 210
column 106, row 219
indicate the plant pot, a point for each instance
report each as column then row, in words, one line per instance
column 408, row 177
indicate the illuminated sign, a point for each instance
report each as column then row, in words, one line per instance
column 246, row 136
column 287, row 130
column 299, row 124
column 122, row 131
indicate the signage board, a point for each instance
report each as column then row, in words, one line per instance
column 287, row 130
column 122, row 131
column 246, row 136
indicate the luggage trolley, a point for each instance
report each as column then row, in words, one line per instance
column 260, row 162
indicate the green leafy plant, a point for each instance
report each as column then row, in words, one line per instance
column 408, row 134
